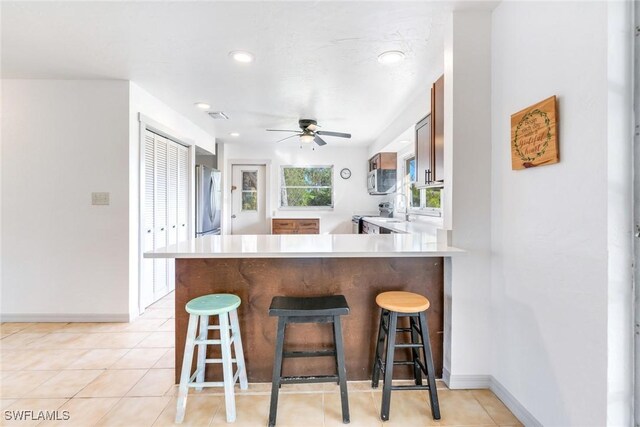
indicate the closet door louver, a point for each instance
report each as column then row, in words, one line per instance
column 165, row 211
column 172, row 208
column 160, row 215
column 148, row 225
column 183, row 191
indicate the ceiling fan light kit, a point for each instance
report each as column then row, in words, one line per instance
column 309, row 133
column 306, row 138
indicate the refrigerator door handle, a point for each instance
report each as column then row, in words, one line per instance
column 211, row 200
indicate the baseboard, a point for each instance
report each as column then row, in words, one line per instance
column 465, row 382
column 63, row 317
column 513, row 404
column 457, row 382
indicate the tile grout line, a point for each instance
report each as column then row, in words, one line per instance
column 115, row 405
column 483, row 408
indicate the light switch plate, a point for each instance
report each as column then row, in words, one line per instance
column 99, row 198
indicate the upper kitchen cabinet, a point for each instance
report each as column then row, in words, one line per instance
column 430, row 140
column 424, row 152
column 437, row 129
column 383, row 161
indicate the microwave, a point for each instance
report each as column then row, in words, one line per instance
column 381, row 181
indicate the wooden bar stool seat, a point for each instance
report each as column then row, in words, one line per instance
column 200, row 309
column 392, row 305
column 325, row 309
column 402, row 302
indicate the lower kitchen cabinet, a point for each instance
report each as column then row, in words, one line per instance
column 295, row 226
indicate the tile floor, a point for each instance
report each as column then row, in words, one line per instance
column 121, row 374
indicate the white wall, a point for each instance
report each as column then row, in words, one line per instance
column 351, row 196
column 63, row 258
column 175, row 125
column 556, row 230
column 467, row 196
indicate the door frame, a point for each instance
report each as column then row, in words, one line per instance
column 228, row 179
column 636, row 208
column 147, row 123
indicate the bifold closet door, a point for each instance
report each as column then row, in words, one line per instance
column 148, row 225
column 172, row 209
column 183, row 193
column 166, row 211
column 160, row 285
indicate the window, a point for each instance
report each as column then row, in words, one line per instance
column 423, row 201
column 250, row 191
column 306, row 187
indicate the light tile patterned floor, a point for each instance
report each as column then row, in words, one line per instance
column 121, row 374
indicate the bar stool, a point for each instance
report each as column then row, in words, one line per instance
column 326, row 309
column 225, row 307
column 404, row 304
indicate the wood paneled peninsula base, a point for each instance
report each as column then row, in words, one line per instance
column 359, row 279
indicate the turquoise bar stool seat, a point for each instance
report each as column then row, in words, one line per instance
column 201, row 309
column 211, row 305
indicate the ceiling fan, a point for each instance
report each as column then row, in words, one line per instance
column 310, row 132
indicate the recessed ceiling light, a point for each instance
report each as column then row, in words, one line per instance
column 234, row 134
column 242, row 56
column 203, row 105
column 390, row 57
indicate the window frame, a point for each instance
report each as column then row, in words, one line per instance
column 307, row 208
column 242, row 191
column 406, row 190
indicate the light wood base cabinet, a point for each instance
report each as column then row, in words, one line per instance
column 295, row 226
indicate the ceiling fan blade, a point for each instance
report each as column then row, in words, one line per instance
column 282, row 130
column 280, row 140
column 319, row 140
column 338, row 134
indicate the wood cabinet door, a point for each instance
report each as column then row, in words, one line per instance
column 437, row 115
column 308, row 226
column 424, row 173
column 374, row 162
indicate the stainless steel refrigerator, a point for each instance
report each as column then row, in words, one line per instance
column 208, row 201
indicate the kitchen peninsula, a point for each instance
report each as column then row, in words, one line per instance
column 259, row 267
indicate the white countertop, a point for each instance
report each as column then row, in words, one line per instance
column 308, row 246
column 400, row 226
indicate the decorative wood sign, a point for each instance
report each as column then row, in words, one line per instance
column 534, row 135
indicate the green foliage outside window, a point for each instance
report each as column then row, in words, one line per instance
column 419, row 198
column 432, row 197
column 306, row 186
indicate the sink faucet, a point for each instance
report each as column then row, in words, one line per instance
column 406, row 206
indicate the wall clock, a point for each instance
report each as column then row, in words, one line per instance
column 345, row 173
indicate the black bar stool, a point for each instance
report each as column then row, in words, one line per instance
column 404, row 304
column 327, row 309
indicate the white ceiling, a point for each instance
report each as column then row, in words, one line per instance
column 313, row 59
